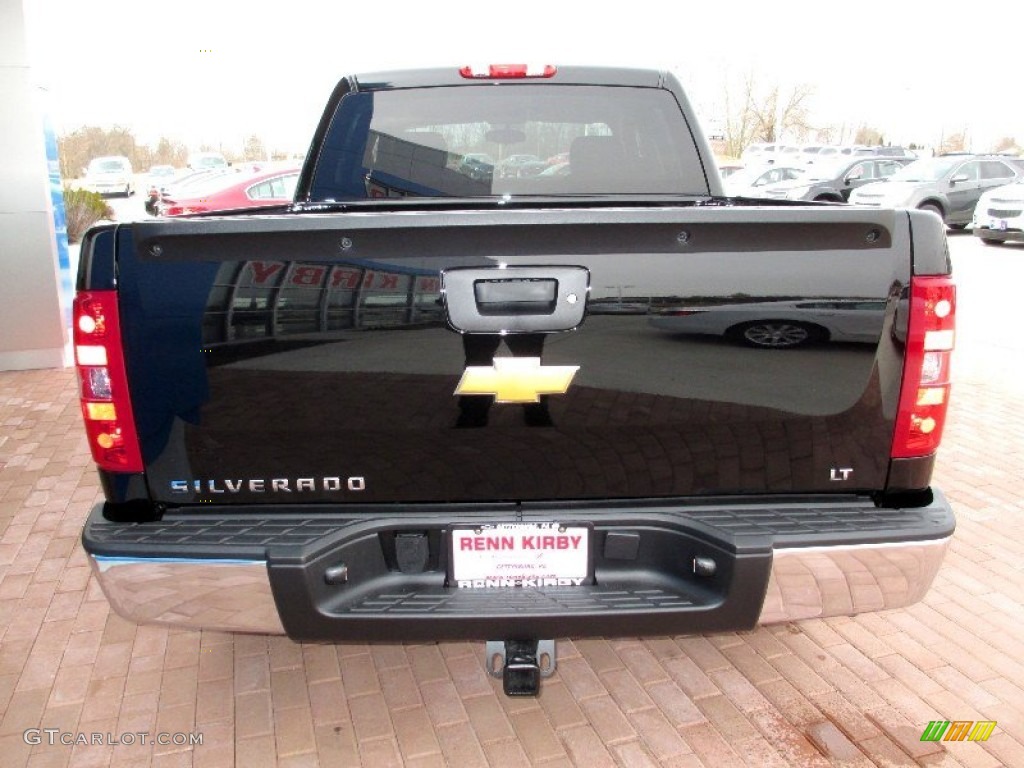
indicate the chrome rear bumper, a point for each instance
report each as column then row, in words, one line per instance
column 235, row 595
column 224, row 595
column 815, row 582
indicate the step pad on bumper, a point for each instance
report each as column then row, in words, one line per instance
column 777, row 562
column 532, row 600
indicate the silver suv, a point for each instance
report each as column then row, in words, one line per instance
column 949, row 185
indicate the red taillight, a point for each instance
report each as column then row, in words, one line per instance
column 103, row 383
column 924, row 395
column 507, row 71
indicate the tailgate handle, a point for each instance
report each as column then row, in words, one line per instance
column 515, row 299
column 516, row 296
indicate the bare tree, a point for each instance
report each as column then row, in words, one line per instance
column 869, row 136
column 1007, row 144
column 739, row 125
column 765, row 114
column 169, row 152
column 77, row 148
column 792, row 118
column 253, row 148
column 955, row 142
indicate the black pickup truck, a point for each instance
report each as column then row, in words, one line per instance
column 441, row 394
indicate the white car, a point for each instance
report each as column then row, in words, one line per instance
column 759, row 152
column 842, row 152
column 756, row 181
column 110, row 175
column 768, row 154
column 780, row 324
column 207, row 161
column 999, row 214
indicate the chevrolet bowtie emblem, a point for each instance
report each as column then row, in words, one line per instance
column 516, row 379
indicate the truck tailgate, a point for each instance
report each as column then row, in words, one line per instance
column 309, row 357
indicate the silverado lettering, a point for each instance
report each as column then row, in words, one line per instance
column 529, row 312
column 274, row 485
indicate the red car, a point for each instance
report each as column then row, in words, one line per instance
column 254, row 191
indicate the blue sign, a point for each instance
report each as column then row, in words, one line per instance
column 60, row 222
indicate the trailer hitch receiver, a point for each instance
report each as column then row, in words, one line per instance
column 520, row 664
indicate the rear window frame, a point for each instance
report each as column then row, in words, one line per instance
column 337, row 138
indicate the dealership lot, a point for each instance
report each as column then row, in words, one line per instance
column 856, row 691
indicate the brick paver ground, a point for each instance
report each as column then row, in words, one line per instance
column 844, row 691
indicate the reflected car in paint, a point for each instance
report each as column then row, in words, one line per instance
column 779, row 324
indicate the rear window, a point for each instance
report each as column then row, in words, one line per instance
column 208, row 161
column 482, row 141
column 107, row 166
column 280, row 188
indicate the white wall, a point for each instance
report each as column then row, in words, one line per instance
column 32, row 333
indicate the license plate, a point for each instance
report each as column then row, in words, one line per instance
column 998, row 224
column 527, row 555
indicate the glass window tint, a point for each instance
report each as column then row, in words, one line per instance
column 859, row 171
column 281, row 188
column 887, row 168
column 970, row 170
column 260, row 191
column 476, row 141
column 993, row 169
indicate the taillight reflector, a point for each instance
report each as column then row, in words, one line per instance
column 89, row 354
column 507, row 71
column 100, row 411
column 106, row 406
column 924, row 395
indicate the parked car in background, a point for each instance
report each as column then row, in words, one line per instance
column 758, row 152
column 839, row 152
column 725, row 170
column 558, row 169
column 110, row 175
column 755, row 181
column 161, row 173
column 809, row 153
column 515, row 166
column 999, row 214
column 788, row 154
column 185, row 185
column 158, row 176
column 477, row 165
column 909, row 154
column 201, row 161
column 949, row 186
column 834, row 181
column 259, row 190
column 779, row 324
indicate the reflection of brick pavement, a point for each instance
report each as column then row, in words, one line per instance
column 858, row 690
column 602, row 443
